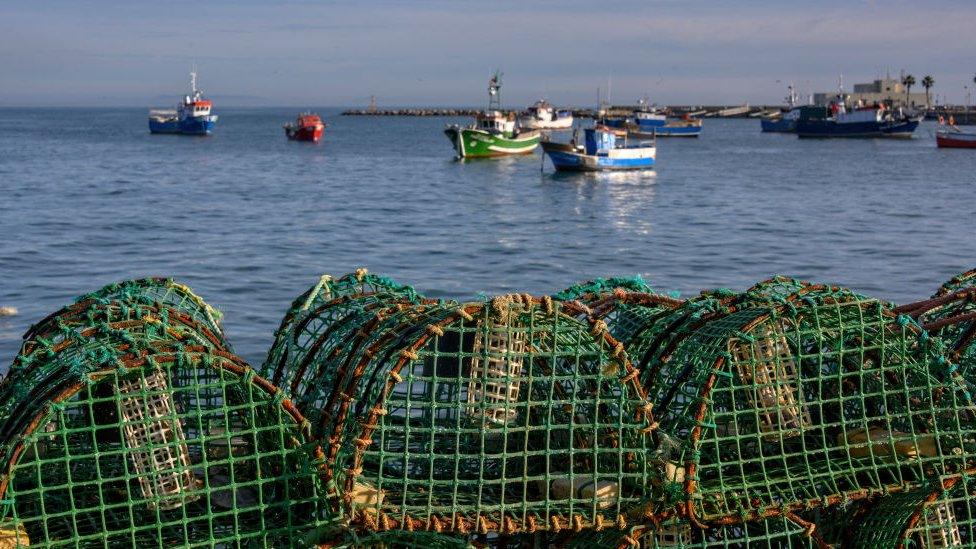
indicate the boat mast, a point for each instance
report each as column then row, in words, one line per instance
column 495, row 92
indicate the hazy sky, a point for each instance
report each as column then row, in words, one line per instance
column 441, row 52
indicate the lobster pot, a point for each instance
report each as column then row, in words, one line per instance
column 127, row 462
column 807, row 402
column 313, row 336
column 154, row 436
column 495, row 373
column 485, row 418
column 144, row 431
column 932, row 516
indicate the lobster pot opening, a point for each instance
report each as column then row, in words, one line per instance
column 191, row 449
column 929, row 517
column 153, row 433
column 764, row 362
column 947, row 518
column 496, row 372
column 938, row 527
column 808, row 402
column 315, row 334
column 501, row 421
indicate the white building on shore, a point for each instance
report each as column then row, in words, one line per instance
column 885, row 90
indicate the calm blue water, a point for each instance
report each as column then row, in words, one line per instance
column 250, row 220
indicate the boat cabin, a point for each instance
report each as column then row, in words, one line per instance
column 198, row 107
column 496, row 122
column 601, row 142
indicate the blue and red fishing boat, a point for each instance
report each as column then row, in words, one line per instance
column 191, row 117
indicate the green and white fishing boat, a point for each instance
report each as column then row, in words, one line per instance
column 494, row 133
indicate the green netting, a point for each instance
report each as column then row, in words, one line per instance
column 951, row 315
column 942, row 514
column 129, row 423
column 804, row 405
column 602, row 286
column 312, row 338
column 778, row 532
column 485, row 418
column 148, row 291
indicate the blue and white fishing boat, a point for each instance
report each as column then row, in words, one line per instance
column 648, row 121
column 191, row 117
column 603, row 150
column 865, row 122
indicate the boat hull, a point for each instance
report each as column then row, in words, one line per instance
column 955, row 140
column 306, row 133
column 670, row 129
column 778, row 125
column 474, row 143
column 566, row 158
column 198, row 125
column 830, row 128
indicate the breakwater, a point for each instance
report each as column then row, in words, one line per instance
column 703, row 111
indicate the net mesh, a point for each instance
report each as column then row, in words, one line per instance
column 951, row 315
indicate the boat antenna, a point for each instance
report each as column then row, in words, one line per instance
column 495, row 91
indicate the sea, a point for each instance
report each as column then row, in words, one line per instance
column 250, row 220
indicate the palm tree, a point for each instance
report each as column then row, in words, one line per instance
column 927, row 83
column 908, row 81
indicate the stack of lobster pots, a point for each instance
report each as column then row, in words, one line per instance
column 604, row 415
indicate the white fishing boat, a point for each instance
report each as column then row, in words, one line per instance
column 543, row 116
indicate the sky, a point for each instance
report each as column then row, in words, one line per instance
column 441, row 52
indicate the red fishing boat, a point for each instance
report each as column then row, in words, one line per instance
column 951, row 137
column 307, row 127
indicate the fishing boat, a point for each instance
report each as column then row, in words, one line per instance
column 648, row 121
column 863, row 122
column 604, row 149
column 784, row 121
column 494, row 133
column 307, row 127
column 951, row 137
column 191, row 117
column 542, row 116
